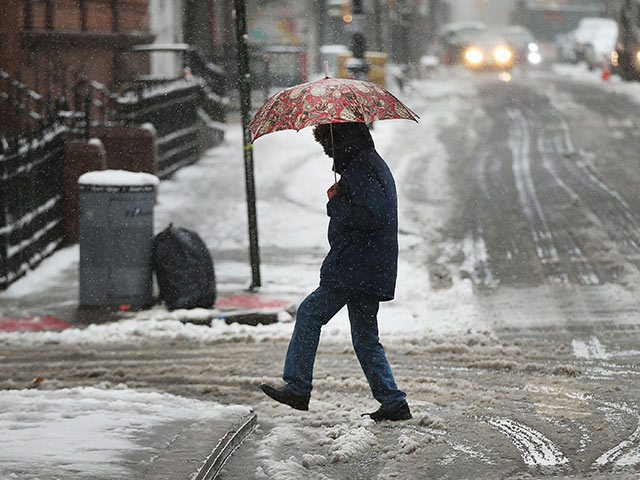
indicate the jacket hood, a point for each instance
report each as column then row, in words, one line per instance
column 349, row 139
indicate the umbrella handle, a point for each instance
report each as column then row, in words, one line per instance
column 326, row 69
column 333, row 147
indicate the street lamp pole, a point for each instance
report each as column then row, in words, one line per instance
column 244, row 84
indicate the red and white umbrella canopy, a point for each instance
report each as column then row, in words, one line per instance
column 330, row 100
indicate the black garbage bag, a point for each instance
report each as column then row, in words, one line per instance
column 184, row 269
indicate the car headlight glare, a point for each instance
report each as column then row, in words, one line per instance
column 502, row 55
column 638, row 55
column 533, row 47
column 474, row 56
column 534, row 58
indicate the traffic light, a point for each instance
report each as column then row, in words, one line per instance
column 347, row 17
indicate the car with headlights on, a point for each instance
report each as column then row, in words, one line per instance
column 523, row 44
column 489, row 51
column 453, row 40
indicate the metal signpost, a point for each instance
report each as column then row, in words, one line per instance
column 244, row 81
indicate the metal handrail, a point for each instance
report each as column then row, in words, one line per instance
column 22, row 101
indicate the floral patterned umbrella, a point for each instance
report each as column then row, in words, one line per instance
column 330, row 100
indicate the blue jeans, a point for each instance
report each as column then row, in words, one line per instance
column 314, row 312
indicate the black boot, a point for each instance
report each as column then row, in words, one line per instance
column 284, row 395
column 394, row 414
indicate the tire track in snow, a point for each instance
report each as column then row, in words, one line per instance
column 520, row 145
column 623, row 227
column 566, row 146
column 475, row 264
column 476, row 257
column 536, row 449
column 625, row 454
column 614, row 210
column 490, row 198
column 546, row 144
column 569, row 252
column 474, row 246
column 481, row 164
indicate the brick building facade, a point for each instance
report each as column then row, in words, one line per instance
column 43, row 40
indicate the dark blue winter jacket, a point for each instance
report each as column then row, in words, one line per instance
column 363, row 228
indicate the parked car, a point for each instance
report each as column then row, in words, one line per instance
column 626, row 56
column 489, row 51
column 523, row 45
column 599, row 49
column 587, row 30
column 453, row 39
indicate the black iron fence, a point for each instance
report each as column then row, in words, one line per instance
column 31, row 199
column 187, row 111
column 31, row 180
column 25, row 106
column 213, row 100
column 172, row 110
column 32, row 142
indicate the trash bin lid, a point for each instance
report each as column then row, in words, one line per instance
column 121, row 180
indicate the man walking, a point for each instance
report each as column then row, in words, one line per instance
column 359, row 271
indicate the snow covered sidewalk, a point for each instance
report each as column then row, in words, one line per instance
column 106, row 433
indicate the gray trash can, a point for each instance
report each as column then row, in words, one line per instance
column 116, row 237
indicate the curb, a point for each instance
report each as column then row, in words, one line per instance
column 244, row 317
column 225, row 448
